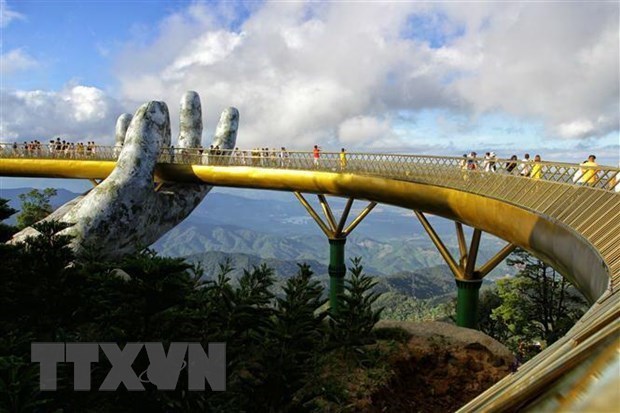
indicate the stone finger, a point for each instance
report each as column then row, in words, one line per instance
column 179, row 200
column 226, row 132
column 122, row 124
column 190, row 124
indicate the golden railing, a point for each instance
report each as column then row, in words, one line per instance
column 436, row 170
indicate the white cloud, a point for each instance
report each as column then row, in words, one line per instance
column 575, row 128
column 16, row 60
column 339, row 73
column 302, row 72
column 7, row 15
column 77, row 112
column 363, row 130
column 558, row 62
column 89, row 104
column 295, row 71
column 207, row 50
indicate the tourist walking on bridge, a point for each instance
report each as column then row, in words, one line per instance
column 525, row 166
column 238, row 157
column 510, row 166
column 489, row 162
column 343, row 159
column 536, row 172
column 463, row 163
column 316, row 153
column 198, row 154
column 284, row 161
column 589, row 172
column 472, row 163
column 492, row 162
column 486, row 163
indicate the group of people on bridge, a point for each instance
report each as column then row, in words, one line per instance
column 264, row 157
column 214, row 155
column 55, row 148
column 587, row 174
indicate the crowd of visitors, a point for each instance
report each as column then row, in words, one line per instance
column 255, row 157
column 55, row 148
column 588, row 172
column 214, row 155
column 263, row 157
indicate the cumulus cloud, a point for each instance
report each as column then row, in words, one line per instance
column 356, row 75
column 558, row 62
column 207, row 50
column 302, row 72
column 296, row 71
column 16, row 60
column 7, row 15
column 77, row 112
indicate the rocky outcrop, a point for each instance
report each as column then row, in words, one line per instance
column 440, row 367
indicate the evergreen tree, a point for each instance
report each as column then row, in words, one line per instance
column 532, row 309
column 353, row 325
column 276, row 346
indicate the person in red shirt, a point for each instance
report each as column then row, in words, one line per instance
column 316, row 154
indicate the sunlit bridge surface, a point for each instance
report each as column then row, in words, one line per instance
column 568, row 215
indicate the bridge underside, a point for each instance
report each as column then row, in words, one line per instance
column 563, row 229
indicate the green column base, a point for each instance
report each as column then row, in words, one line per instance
column 467, row 303
column 337, row 271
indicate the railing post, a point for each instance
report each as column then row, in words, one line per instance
column 467, row 303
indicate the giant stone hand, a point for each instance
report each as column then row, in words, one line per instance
column 124, row 212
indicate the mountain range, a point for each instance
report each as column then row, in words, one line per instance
column 250, row 226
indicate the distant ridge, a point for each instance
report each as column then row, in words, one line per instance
column 278, row 228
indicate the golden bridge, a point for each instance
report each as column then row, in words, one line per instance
column 565, row 214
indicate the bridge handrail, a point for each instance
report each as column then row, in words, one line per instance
column 394, row 165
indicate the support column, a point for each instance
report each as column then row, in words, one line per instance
column 467, row 303
column 468, row 278
column 337, row 235
column 337, row 271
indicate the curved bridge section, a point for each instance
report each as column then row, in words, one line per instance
column 567, row 215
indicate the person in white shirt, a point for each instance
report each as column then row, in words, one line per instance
column 486, row 164
column 283, row 157
column 489, row 162
column 492, row 162
column 526, row 166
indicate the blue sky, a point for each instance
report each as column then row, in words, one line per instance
column 434, row 78
column 73, row 41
